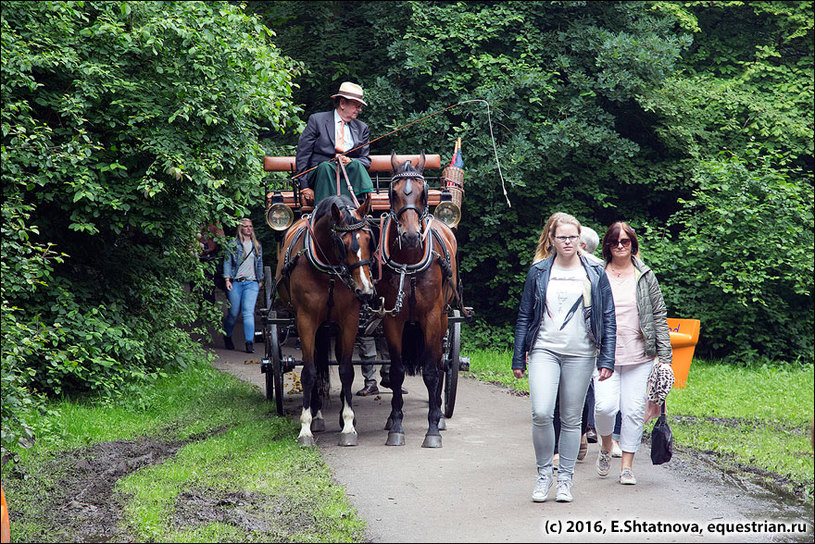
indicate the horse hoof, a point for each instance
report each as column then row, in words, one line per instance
column 431, row 441
column 306, row 441
column 442, row 424
column 388, row 424
column 348, row 439
column 318, row 425
column 395, row 439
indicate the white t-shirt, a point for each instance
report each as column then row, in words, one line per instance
column 246, row 269
column 564, row 288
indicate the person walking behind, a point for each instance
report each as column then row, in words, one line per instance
column 642, row 338
column 243, row 275
column 566, row 318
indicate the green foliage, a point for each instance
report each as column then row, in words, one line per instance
column 126, row 127
column 607, row 110
column 743, row 258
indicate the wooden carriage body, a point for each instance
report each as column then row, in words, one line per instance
column 380, row 176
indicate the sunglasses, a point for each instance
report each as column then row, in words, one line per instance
column 625, row 242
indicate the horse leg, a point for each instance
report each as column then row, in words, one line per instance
column 432, row 376
column 322, row 345
column 393, row 333
column 308, row 379
column 345, row 350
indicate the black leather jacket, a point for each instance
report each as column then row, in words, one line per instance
column 602, row 321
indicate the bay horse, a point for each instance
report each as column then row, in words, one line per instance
column 418, row 283
column 327, row 286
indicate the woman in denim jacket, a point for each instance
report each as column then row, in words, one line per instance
column 565, row 327
column 243, row 274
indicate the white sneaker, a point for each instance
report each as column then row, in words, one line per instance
column 541, row 491
column 603, row 463
column 615, row 449
column 564, row 491
column 627, row 477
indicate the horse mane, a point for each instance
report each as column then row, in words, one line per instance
column 324, row 206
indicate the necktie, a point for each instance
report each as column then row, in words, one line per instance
column 340, row 147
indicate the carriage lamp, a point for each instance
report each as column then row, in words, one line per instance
column 279, row 216
column 448, row 211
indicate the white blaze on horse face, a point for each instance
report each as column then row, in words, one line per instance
column 305, row 423
column 364, row 282
column 347, row 418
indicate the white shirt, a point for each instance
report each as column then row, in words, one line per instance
column 349, row 140
column 564, row 288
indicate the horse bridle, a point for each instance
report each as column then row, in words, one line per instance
column 344, row 270
column 407, row 190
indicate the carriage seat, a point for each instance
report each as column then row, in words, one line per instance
column 380, row 175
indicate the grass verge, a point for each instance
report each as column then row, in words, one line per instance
column 197, row 457
column 753, row 420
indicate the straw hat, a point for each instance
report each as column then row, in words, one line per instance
column 351, row 91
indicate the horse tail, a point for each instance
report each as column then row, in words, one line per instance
column 412, row 348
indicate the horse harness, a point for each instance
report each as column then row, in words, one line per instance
column 317, row 256
column 429, row 256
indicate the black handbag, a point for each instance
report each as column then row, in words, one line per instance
column 662, row 440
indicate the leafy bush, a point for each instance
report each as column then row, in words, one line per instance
column 126, row 128
column 742, row 261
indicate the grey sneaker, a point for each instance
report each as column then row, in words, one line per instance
column 542, row 486
column 627, row 477
column 564, row 491
column 603, row 464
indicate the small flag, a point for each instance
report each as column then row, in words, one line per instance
column 457, row 160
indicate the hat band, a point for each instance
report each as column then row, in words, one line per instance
column 347, row 94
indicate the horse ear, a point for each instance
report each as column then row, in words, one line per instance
column 335, row 213
column 420, row 166
column 365, row 208
column 394, row 165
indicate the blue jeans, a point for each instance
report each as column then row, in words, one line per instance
column 242, row 298
column 565, row 378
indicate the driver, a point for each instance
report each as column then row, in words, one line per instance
column 328, row 135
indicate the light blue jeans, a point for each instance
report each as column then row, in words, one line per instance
column 242, row 299
column 549, row 373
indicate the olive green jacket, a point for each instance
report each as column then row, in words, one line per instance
column 653, row 315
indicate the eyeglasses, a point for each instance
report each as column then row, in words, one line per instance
column 564, row 239
column 625, row 242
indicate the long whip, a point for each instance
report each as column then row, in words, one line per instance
column 492, row 137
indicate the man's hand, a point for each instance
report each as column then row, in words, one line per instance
column 306, row 197
column 342, row 158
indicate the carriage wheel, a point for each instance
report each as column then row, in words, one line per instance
column 274, row 375
column 453, row 361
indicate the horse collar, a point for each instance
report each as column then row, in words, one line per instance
column 413, row 268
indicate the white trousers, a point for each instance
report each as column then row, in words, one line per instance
column 623, row 392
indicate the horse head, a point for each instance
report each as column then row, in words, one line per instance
column 353, row 245
column 408, row 200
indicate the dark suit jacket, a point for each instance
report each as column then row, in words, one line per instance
column 316, row 143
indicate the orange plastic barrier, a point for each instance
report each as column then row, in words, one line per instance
column 684, row 336
column 5, row 530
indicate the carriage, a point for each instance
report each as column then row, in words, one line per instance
column 442, row 193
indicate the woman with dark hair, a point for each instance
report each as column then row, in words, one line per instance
column 643, row 339
column 565, row 327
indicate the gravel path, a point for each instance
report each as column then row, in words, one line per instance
column 477, row 487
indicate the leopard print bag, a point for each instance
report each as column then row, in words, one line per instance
column 660, row 382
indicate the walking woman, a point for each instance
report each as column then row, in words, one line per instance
column 565, row 324
column 243, row 273
column 642, row 339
